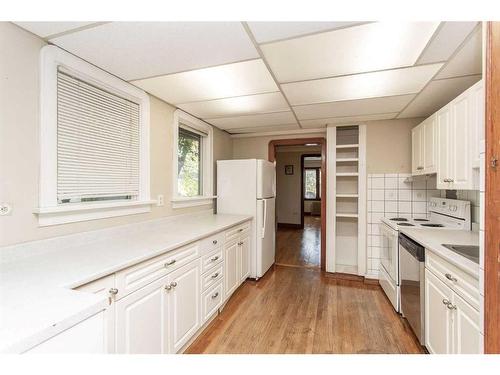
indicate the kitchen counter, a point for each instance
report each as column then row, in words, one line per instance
column 36, row 278
column 432, row 239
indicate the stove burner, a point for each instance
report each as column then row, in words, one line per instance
column 398, row 219
column 420, row 219
column 432, row 225
column 406, row 224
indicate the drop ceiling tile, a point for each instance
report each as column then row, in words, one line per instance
column 346, row 120
column 353, row 107
column 447, row 39
column 437, row 94
column 260, row 129
column 238, row 79
column 361, row 86
column 363, row 48
column 137, row 50
column 249, row 121
column 467, row 61
column 238, row 106
column 268, row 31
column 45, row 29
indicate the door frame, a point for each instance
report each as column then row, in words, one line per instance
column 492, row 194
column 302, row 142
column 302, row 157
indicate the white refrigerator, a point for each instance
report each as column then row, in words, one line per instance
column 248, row 187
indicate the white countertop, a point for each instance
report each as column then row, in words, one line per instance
column 36, row 299
column 432, row 239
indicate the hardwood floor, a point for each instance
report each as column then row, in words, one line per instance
column 300, row 247
column 303, row 310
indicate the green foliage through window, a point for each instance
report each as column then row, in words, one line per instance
column 189, row 163
column 312, row 183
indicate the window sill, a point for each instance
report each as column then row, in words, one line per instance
column 89, row 211
column 181, row 202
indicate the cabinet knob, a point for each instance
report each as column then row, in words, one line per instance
column 214, row 258
column 172, row 285
column 240, row 230
column 240, row 243
column 450, row 277
column 170, row 262
column 451, row 306
column 215, row 295
column 214, row 242
column 113, row 291
column 446, row 302
column 215, row 275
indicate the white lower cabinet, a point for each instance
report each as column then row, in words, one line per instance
column 451, row 324
column 141, row 320
column 183, row 290
column 232, row 268
column 244, row 255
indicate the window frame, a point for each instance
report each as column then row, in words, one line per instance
column 49, row 211
column 318, row 181
column 192, row 123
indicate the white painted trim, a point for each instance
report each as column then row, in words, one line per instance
column 280, row 132
column 51, row 58
column 181, row 117
column 362, row 200
column 331, row 141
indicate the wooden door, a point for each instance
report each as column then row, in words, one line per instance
column 443, row 124
column 492, row 199
column 231, row 275
column 184, row 304
column 141, row 321
column 438, row 324
column 466, row 331
column 244, row 256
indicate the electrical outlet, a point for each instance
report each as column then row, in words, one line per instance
column 5, row 209
column 160, row 202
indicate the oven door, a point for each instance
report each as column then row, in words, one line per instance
column 389, row 251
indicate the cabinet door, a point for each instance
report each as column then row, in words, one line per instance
column 141, row 321
column 459, row 157
column 184, row 308
column 244, row 258
column 438, row 323
column 476, row 109
column 232, row 273
column 466, row 330
column 417, row 165
column 429, row 130
column 443, row 118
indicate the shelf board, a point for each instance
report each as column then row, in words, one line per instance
column 350, row 174
column 354, row 145
column 347, row 195
column 340, row 214
column 345, row 160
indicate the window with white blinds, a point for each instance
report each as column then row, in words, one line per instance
column 98, row 143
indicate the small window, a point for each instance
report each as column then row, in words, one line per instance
column 312, row 183
column 189, row 167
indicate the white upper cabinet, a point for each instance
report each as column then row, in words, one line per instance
column 449, row 142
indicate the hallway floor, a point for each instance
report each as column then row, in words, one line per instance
column 302, row 310
column 300, row 247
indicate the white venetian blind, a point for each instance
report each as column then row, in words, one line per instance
column 97, row 143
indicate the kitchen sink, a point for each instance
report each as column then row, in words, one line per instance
column 469, row 251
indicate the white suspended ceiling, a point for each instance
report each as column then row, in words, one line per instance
column 264, row 76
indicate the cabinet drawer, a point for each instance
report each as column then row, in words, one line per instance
column 233, row 233
column 211, row 243
column 211, row 301
column 212, row 277
column 135, row 277
column 211, row 260
column 461, row 282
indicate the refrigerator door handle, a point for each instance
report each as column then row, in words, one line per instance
column 264, row 202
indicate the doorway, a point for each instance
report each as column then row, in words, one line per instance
column 300, row 200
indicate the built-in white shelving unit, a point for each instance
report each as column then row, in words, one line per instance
column 349, row 216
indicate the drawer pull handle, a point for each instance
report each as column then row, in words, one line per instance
column 170, row 262
column 173, row 284
column 240, row 243
column 451, row 306
column 113, row 291
column 215, row 295
column 215, row 275
column 214, row 242
column 240, row 230
column 420, row 168
column 446, row 302
column 451, row 278
column 214, row 258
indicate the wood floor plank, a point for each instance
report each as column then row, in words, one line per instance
column 302, row 310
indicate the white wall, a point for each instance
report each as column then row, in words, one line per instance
column 19, row 149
